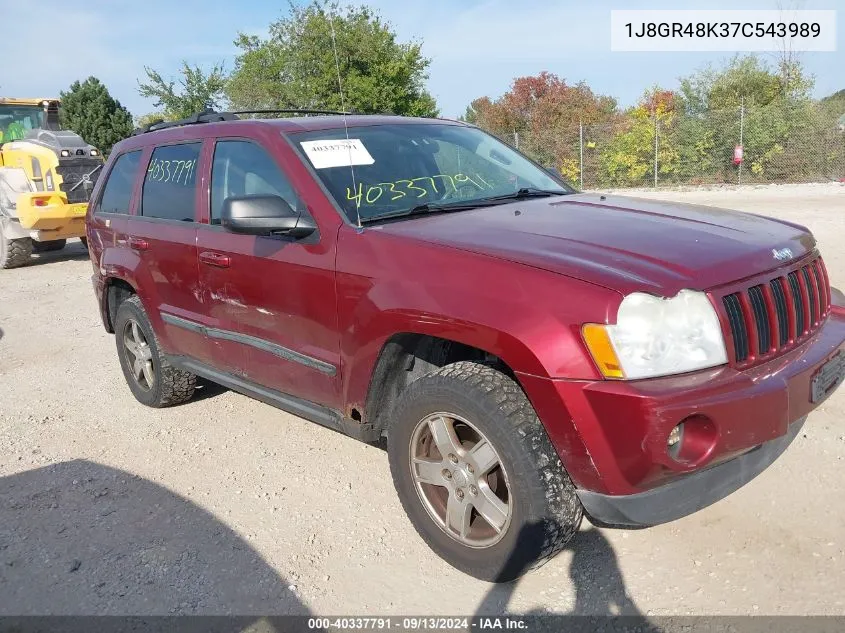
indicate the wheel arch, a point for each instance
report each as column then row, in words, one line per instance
column 115, row 291
column 403, row 358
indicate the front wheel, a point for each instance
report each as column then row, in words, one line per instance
column 477, row 474
column 14, row 252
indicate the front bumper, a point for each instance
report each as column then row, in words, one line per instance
column 687, row 495
column 612, row 435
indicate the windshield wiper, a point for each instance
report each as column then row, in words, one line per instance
column 423, row 209
column 465, row 205
column 526, row 192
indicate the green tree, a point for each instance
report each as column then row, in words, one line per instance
column 628, row 160
column 744, row 80
column 196, row 91
column 778, row 120
column 89, row 110
column 295, row 67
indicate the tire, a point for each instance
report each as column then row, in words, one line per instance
column 84, row 241
column 48, row 246
column 542, row 508
column 14, row 252
column 158, row 384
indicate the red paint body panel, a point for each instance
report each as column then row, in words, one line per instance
column 623, row 426
column 516, row 285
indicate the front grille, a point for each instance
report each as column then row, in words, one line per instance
column 770, row 317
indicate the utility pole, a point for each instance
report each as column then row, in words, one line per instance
column 655, row 147
column 741, row 130
column 581, row 152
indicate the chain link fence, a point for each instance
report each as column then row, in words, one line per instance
column 746, row 145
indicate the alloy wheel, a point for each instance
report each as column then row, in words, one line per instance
column 460, row 480
column 139, row 355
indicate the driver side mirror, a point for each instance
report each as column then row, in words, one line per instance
column 264, row 215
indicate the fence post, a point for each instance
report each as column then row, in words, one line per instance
column 516, row 139
column 655, row 147
column 581, row 153
column 741, row 130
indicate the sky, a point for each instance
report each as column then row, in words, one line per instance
column 477, row 47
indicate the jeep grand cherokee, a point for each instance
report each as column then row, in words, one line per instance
column 530, row 353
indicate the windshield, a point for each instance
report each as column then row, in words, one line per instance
column 383, row 170
column 17, row 120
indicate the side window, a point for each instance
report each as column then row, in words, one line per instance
column 170, row 187
column 117, row 192
column 243, row 168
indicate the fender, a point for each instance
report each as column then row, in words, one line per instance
column 528, row 318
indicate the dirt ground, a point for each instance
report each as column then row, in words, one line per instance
column 226, row 505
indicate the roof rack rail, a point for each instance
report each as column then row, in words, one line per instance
column 211, row 116
column 206, row 116
column 305, row 111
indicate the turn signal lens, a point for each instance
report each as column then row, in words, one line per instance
column 598, row 342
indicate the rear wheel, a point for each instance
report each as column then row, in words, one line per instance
column 48, row 246
column 13, row 252
column 152, row 379
column 84, row 241
column 477, row 474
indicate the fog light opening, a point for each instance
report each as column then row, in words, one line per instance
column 692, row 441
column 675, row 441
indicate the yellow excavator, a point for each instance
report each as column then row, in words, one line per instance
column 46, row 178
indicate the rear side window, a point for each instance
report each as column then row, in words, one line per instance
column 242, row 168
column 117, row 192
column 170, row 186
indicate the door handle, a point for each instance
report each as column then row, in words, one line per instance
column 215, row 259
column 138, row 244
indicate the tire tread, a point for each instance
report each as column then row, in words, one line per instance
column 557, row 488
column 176, row 385
column 18, row 252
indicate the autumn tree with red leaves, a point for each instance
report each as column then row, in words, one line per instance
column 544, row 113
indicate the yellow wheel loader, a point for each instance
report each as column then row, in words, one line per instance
column 46, row 178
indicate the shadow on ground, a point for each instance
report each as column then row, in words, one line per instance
column 207, row 389
column 595, row 576
column 81, row 538
column 74, row 251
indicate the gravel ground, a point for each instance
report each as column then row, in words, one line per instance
column 226, row 505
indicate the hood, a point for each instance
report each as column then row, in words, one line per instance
column 626, row 244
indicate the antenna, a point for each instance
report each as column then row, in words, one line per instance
column 343, row 108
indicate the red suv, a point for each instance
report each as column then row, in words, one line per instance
column 530, row 353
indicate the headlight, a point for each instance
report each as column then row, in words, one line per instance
column 658, row 337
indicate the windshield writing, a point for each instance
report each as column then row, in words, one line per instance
column 416, row 188
column 387, row 169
